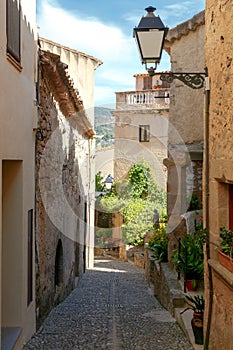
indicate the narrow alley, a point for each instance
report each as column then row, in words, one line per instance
column 112, row 308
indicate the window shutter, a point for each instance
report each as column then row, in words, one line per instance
column 13, row 28
column 144, row 133
column 147, row 83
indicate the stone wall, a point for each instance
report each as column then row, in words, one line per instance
column 80, row 69
column 218, row 58
column 59, row 205
column 185, row 44
column 163, row 280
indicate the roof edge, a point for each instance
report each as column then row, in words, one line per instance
column 97, row 61
column 184, row 28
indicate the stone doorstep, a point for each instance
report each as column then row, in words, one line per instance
column 9, row 337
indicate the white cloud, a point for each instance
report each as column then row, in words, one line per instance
column 179, row 7
column 88, row 35
column 173, row 14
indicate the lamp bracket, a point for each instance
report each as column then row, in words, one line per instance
column 194, row 80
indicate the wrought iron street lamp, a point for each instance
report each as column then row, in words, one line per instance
column 108, row 182
column 150, row 36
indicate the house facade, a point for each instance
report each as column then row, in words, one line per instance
column 185, row 133
column 17, row 157
column 65, row 175
column 219, row 172
column 141, row 127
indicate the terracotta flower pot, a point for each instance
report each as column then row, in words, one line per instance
column 197, row 326
column 192, row 285
column 225, row 260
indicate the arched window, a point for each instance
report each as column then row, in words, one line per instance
column 59, row 264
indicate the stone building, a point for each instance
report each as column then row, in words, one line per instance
column 185, row 45
column 17, row 145
column 141, row 126
column 219, row 171
column 65, row 176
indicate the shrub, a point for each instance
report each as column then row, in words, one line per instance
column 158, row 243
column 103, row 237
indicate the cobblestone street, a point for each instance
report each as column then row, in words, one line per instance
column 112, row 308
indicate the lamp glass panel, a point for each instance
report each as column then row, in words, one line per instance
column 151, row 43
column 108, row 185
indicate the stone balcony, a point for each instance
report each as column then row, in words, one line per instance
column 144, row 99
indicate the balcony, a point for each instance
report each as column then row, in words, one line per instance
column 144, row 99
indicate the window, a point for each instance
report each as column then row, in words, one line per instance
column 147, row 83
column 144, row 133
column 13, row 28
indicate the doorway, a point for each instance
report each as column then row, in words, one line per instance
column 12, row 248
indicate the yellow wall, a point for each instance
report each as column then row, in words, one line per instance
column 128, row 149
column 17, row 119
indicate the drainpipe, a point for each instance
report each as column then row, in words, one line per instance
column 207, row 221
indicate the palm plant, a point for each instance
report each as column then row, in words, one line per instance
column 195, row 303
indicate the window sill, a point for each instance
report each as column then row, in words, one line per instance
column 225, row 274
column 15, row 63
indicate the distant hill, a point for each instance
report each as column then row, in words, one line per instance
column 104, row 126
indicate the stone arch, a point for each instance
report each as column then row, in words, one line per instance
column 59, row 264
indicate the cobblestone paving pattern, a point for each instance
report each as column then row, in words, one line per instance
column 113, row 309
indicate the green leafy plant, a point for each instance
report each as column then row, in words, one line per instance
column 226, row 244
column 190, row 261
column 200, row 231
column 132, row 210
column 193, row 202
column 103, row 237
column 139, row 177
column 99, row 185
column 158, row 243
column 135, row 198
column 134, row 233
column 195, row 303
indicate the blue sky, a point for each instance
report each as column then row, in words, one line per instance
column 103, row 29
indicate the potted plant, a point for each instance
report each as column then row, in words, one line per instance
column 189, row 260
column 225, row 248
column 197, row 304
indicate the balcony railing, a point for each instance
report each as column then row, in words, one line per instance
column 158, row 98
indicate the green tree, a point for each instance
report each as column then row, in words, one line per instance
column 99, row 185
column 135, row 198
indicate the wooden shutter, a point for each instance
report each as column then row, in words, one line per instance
column 13, row 28
column 147, row 83
column 144, row 133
